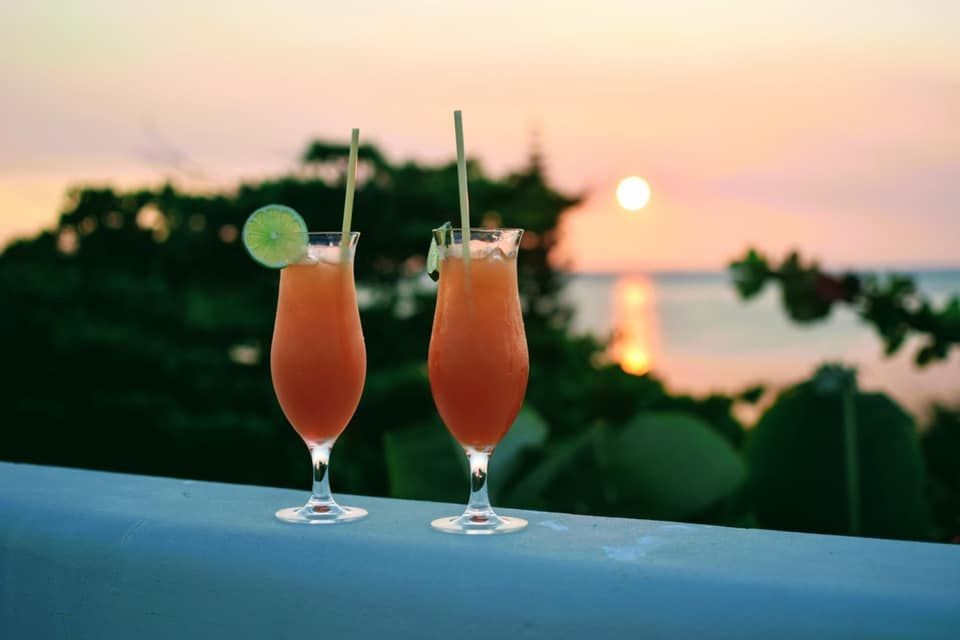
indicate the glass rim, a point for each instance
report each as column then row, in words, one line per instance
column 319, row 234
column 482, row 229
column 353, row 234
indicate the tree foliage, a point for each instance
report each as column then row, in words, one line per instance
column 139, row 330
column 892, row 306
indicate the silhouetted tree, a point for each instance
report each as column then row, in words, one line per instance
column 892, row 305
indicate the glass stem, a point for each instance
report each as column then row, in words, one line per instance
column 320, row 455
column 479, row 507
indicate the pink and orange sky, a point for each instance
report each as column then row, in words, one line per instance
column 827, row 126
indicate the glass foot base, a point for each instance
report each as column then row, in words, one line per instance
column 477, row 525
column 321, row 514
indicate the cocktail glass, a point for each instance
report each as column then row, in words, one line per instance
column 478, row 362
column 318, row 362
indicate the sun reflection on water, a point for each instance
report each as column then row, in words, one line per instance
column 635, row 330
column 635, row 360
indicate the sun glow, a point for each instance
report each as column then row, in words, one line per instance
column 635, row 330
column 633, row 193
column 635, row 360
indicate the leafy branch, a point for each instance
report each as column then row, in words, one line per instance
column 891, row 304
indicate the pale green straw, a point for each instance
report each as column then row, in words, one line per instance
column 348, row 199
column 464, row 200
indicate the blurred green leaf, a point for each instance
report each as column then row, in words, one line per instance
column 529, row 431
column 797, row 470
column 672, row 465
column 833, row 378
column 941, row 447
column 562, row 455
column 426, row 463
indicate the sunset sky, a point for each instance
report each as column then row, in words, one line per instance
column 832, row 127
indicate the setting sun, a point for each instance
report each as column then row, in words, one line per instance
column 633, row 193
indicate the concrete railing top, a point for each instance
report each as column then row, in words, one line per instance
column 96, row 555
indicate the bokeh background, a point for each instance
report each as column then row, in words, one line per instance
column 770, row 341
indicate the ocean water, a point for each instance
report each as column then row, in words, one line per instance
column 694, row 333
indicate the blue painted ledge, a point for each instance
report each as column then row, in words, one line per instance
column 98, row 555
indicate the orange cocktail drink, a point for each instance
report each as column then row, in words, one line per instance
column 318, row 362
column 478, row 351
column 478, row 361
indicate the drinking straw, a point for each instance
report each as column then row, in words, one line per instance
column 464, row 200
column 348, row 199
